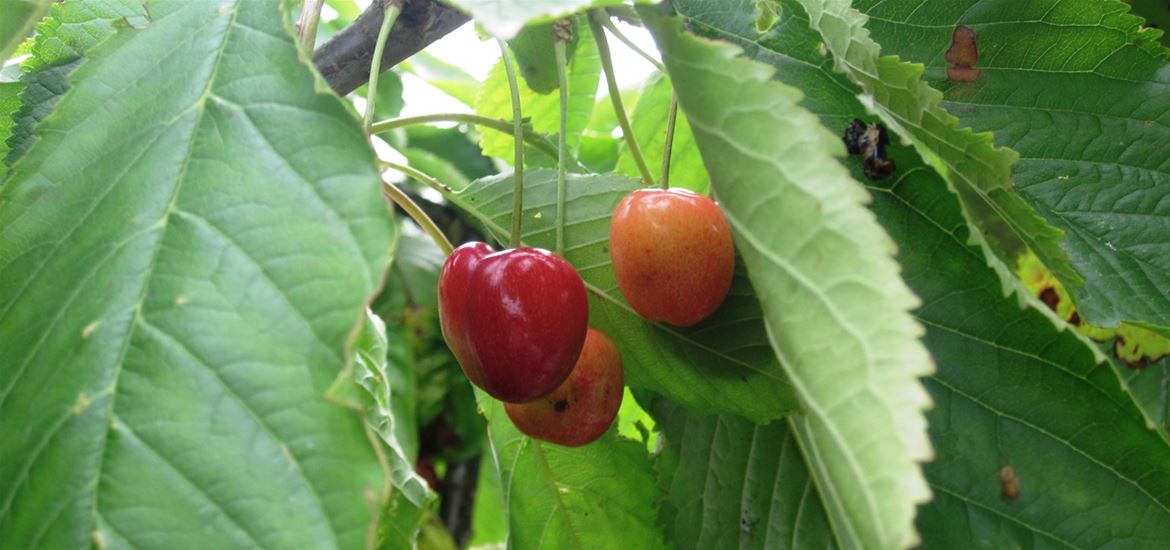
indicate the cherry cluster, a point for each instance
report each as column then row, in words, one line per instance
column 517, row 320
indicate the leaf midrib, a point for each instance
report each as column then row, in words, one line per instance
column 200, row 107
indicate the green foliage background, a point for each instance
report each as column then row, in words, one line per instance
column 215, row 333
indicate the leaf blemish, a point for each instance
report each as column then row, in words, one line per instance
column 963, row 54
column 88, row 330
column 83, row 403
column 1009, row 484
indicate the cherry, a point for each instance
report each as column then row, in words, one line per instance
column 515, row 319
column 672, row 254
column 584, row 406
column 454, row 280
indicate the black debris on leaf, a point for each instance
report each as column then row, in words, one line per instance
column 869, row 141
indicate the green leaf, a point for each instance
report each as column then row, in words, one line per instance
column 62, row 40
column 9, row 104
column 633, row 422
column 19, row 18
column 834, row 304
column 649, row 124
column 734, row 484
column 1090, row 123
column 346, row 9
column 489, row 522
column 448, row 78
column 1155, row 14
column 505, row 18
column 535, row 57
column 389, row 102
column 382, row 367
column 1012, row 390
column 454, row 145
column 599, row 496
column 441, row 393
column 1003, row 391
column 494, row 100
column 980, row 173
column 723, row 364
column 178, row 287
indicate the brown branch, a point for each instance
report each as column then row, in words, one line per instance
column 344, row 61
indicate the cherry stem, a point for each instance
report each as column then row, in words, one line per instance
column 419, row 175
column 669, row 144
column 615, row 94
column 562, row 146
column 518, row 134
column 307, row 25
column 416, row 213
column 609, row 26
column 535, row 139
column 390, row 10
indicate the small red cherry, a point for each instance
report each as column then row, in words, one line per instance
column 584, row 406
column 672, row 254
column 454, row 280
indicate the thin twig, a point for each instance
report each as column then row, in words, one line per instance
column 669, row 144
column 615, row 95
column 518, row 134
column 307, row 25
column 391, row 9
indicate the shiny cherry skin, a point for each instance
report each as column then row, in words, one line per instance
column 526, row 317
column 584, row 406
column 454, row 280
column 672, row 254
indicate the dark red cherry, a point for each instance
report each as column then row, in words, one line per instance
column 526, row 317
column 454, row 280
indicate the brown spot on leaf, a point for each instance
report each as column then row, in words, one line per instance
column 963, row 74
column 963, row 54
column 1050, row 298
column 1009, row 484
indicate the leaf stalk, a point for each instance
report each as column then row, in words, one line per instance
column 668, row 145
column 518, row 134
column 561, row 33
column 416, row 213
column 615, row 96
column 390, row 11
column 307, row 25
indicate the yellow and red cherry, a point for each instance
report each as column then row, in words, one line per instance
column 672, row 254
column 584, row 406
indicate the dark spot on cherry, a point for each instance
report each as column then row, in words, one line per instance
column 561, row 405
